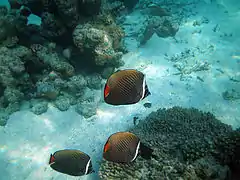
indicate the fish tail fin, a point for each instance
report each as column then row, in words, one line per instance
column 146, row 152
column 147, row 92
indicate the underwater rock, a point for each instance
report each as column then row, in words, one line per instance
column 53, row 60
column 86, row 109
column 13, row 64
column 32, row 35
column 11, row 23
column 162, row 26
column 12, row 95
column 39, row 107
column 98, row 42
column 76, row 84
column 62, row 103
column 51, row 27
column 13, row 57
column 107, row 23
column 180, row 137
column 46, row 90
column 90, row 96
column 3, row 118
column 94, row 81
column 72, row 99
column 13, row 107
column 21, row 52
column 85, row 36
column 68, row 12
column 10, row 42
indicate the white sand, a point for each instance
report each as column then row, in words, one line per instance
column 27, row 140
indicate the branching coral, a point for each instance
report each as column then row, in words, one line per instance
column 186, row 68
column 190, row 61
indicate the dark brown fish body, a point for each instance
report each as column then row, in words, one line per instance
column 125, row 87
column 71, row 162
column 124, row 147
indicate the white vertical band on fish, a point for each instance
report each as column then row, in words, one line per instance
column 143, row 88
column 136, row 153
column 87, row 166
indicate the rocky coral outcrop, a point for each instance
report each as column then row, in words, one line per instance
column 41, row 61
column 52, row 59
column 183, row 141
column 87, row 37
column 162, row 26
column 11, row 23
column 13, row 76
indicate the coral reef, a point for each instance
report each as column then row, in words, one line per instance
column 11, row 23
column 75, row 45
column 86, row 37
column 13, row 57
column 185, row 142
column 52, row 59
